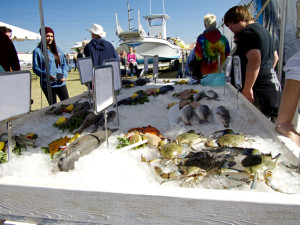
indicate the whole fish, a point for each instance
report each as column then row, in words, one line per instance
column 101, row 121
column 224, row 115
column 88, row 121
column 203, row 113
column 186, row 114
column 82, row 146
column 210, row 94
column 199, row 96
column 81, row 106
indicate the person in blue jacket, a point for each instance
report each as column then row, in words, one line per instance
column 98, row 48
column 58, row 68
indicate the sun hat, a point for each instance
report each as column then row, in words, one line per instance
column 97, row 29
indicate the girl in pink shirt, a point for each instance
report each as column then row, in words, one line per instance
column 131, row 61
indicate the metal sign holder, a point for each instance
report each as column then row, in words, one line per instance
column 155, row 71
column 103, row 91
column 237, row 76
column 117, row 81
column 85, row 68
column 227, row 72
column 15, row 98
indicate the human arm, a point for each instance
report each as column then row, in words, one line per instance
column 64, row 66
column 38, row 63
column 252, row 69
column 275, row 59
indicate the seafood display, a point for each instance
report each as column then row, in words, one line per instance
column 80, row 147
column 197, row 151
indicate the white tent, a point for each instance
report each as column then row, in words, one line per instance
column 19, row 34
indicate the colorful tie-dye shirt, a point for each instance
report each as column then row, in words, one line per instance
column 209, row 45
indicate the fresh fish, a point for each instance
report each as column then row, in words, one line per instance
column 81, row 106
column 186, row 114
column 165, row 89
column 212, row 95
column 203, row 112
column 101, row 121
column 82, row 146
column 224, row 115
column 88, row 121
column 199, row 96
column 82, row 111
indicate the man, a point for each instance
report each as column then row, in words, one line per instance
column 98, row 48
column 210, row 46
column 258, row 59
column 8, row 55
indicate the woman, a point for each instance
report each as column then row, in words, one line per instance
column 58, row 68
column 131, row 59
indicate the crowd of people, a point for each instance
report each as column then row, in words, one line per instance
column 254, row 46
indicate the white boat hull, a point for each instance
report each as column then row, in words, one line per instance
column 150, row 46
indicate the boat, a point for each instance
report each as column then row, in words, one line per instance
column 150, row 44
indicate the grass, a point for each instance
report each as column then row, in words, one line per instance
column 75, row 87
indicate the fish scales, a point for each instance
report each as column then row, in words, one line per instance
column 81, row 147
column 88, row 121
column 202, row 112
column 224, row 115
column 186, row 114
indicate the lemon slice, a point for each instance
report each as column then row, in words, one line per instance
column 135, row 139
column 74, row 138
column 2, row 145
column 61, row 120
column 70, row 108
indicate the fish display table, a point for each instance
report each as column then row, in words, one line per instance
column 107, row 197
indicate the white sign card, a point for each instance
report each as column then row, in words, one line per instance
column 237, row 72
column 15, row 94
column 155, row 65
column 145, row 64
column 85, row 67
column 103, row 88
column 116, row 72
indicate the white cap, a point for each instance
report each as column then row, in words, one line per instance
column 97, row 29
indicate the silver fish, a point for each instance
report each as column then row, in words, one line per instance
column 203, row 112
column 80, row 147
column 81, row 106
column 101, row 121
column 88, row 121
column 224, row 115
column 210, row 94
column 186, row 114
column 199, row 96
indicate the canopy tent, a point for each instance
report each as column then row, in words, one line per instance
column 20, row 34
column 77, row 45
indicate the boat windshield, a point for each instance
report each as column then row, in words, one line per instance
column 155, row 22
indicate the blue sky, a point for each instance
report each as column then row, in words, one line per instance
column 70, row 18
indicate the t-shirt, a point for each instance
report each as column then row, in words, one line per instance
column 255, row 36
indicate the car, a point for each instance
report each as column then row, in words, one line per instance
column 24, row 64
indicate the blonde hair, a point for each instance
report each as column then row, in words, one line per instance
column 210, row 20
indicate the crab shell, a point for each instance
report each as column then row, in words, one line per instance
column 170, row 150
column 231, row 140
column 188, row 138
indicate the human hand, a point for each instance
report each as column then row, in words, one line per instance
column 52, row 78
column 63, row 79
column 248, row 94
